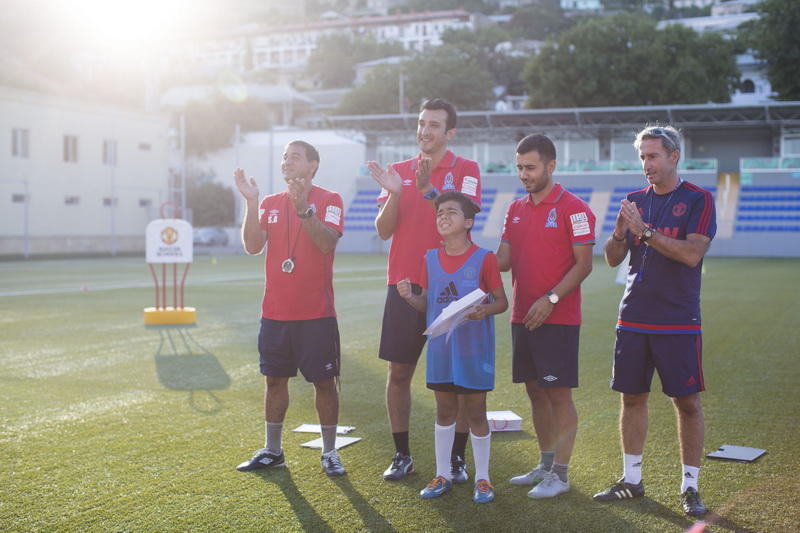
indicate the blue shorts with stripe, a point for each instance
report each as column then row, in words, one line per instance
column 678, row 359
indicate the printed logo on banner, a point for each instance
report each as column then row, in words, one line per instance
column 469, row 186
column 169, row 235
column 449, row 182
column 551, row 219
column 333, row 214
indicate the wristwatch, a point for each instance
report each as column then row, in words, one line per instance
column 431, row 194
column 307, row 213
column 647, row 234
column 553, row 297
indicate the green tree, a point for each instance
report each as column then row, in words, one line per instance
column 624, row 60
column 539, row 20
column 482, row 43
column 775, row 38
column 211, row 202
column 334, row 59
column 211, row 125
column 378, row 94
column 446, row 71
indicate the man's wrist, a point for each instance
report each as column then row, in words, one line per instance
column 617, row 237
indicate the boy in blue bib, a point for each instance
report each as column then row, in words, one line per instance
column 462, row 366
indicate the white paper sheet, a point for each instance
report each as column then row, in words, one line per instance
column 341, row 442
column 314, row 428
column 455, row 314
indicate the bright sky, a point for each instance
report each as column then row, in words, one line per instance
column 128, row 26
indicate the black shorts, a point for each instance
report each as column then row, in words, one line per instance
column 401, row 333
column 678, row 359
column 309, row 345
column 452, row 387
column 548, row 354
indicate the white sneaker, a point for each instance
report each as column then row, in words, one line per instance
column 530, row 478
column 549, row 487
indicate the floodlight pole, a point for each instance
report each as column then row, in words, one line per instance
column 183, row 164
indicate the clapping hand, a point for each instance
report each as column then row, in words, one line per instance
column 389, row 179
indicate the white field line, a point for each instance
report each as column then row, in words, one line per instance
column 206, row 280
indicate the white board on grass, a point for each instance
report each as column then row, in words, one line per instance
column 743, row 454
column 341, row 442
column 504, row 421
column 315, row 428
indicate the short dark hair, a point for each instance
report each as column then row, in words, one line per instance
column 538, row 143
column 468, row 207
column 311, row 153
column 441, row 103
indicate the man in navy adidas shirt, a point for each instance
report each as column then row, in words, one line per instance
column 668, row 227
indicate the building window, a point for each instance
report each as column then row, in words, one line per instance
column 145, row 202
column 748, row 86
column 108, row 201
column 70, row 148
column 791, row 146
column 19, row 143
column 144, row 147
column 18, row 198
column 110, row 152
column 72, row 200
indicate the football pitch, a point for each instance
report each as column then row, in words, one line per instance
column 108, row 425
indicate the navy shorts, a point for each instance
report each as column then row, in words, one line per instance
column 310, row 345
column 401, row 333
column 548, row 354
column 452, row 387
column 678, row 359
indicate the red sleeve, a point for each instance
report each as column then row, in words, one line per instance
column 490, row 274
column 470, row 181
column 506, row 237
column 423, row 275
column 262, row 213
column 581, row 222
column 333, row 214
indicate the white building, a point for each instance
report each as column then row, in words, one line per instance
column 76, row 177
column 287, row 48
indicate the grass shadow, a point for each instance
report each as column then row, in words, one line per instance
column 184, row 364
column 372, row 519
column 309, row 518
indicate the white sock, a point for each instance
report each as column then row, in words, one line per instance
column 690, row 475
column 480, row 454
column 272, row 436
column 443, row 437
column 633, row 468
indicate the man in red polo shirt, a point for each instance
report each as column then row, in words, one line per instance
column 407, row 214
column 547, row 244
column 298, row 319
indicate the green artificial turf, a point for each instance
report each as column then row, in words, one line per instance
column 111, row 426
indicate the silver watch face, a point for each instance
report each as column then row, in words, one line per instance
column 553, row 297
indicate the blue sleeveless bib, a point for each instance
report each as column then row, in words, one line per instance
column 467, row 359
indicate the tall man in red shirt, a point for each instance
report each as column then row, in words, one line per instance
column 298, row 319
column 407, row 214
column 547, row 244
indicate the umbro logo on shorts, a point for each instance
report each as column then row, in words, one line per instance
column 449, row 294
column 549, row 378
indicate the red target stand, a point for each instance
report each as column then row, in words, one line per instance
column 168, row 241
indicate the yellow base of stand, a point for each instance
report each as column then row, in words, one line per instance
column 168, row 316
